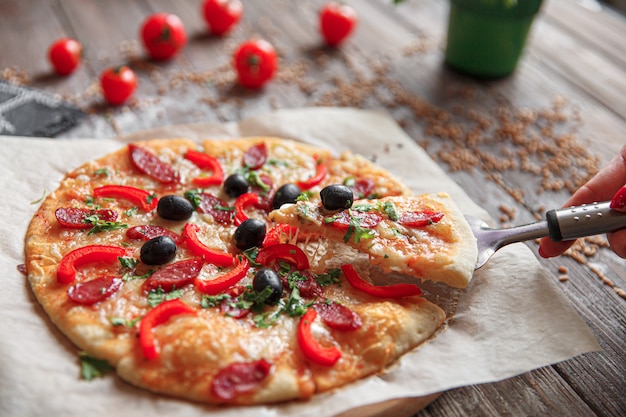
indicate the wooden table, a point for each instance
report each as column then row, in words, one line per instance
column 525, row 141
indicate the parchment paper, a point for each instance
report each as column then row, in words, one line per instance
column 511, row 319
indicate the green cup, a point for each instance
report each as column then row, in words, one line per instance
column 486, row 37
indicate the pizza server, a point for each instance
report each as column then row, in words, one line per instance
column 562, row 224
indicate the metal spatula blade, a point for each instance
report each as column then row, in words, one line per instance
column 563, row 224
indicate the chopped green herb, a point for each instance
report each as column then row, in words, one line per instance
column 131, row 211
column 102, row 225
column 40, row 199
column 304, row 196
column 362, row 208
column 91, row 367
column 285, row 268
column 329, row 277
column 216, row 206
column 209, row 301
column 129, row 263
column 91, row 202
column 390, row 209
column 277, row 162
column 150, row 198
column 254, row 178
column 294, row 306
column 357, row 232
column 194, row 196
column 258, row 298
column 251, row 254
column 102, row 172
column 119, row 321
column 349, row 182
column 130, row 277
column 265, row 320
column 156, row 297
column 303, row 211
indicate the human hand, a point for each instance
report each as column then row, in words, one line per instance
column 609, row 183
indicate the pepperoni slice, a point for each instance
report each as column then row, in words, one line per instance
column 420, row 218
column 74, row 218
column 217, row 208
column 255, row 156
column 342, row 219
column 175, row 275
column 338, row 317
column 148, row 163
column 363, row 188
column 239, row 378
column 147, row 232
column 98, row 289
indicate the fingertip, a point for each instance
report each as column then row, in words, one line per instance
column 617, row 240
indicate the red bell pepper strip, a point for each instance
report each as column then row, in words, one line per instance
column 320, row 173
column 66, row 273
column 214, row 256
column 205, row 161
column 275, row 234
column 142, row 198
column 224, row 282
column 387, row 291
column 242, row 202
column 285, row 251
column 159, row 315
column 313, row 351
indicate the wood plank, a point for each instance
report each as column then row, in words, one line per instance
column 540, row 392
column 604, row 30
column 46, row 17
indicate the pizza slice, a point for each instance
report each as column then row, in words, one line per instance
column 423, row 236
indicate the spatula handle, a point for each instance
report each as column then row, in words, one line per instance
column 586, row 220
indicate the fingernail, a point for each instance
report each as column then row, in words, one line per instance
column 618, row 202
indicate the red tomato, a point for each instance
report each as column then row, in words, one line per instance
column 118, row 84
column 65, row 55
column 337, row 21
column 221, row 15
column 256, row 63
column 163, row 35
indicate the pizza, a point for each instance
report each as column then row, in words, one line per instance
column 421, row 236
column 160, row 259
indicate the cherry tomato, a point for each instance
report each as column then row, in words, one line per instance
column 256, row 63
column 65, row 55
column 118, row 84
column 221, row 15
column 163, row 35
column 337, row 21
